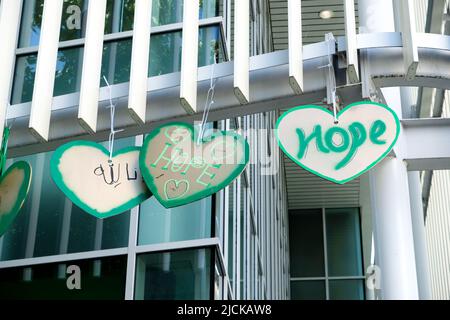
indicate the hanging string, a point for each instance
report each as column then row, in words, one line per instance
column 209, row 99
column 333, row 80
column 113, row 132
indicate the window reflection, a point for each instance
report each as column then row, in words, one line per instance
column 49, row 224
column 165, row 57
column 102, row 278
column 178, row 275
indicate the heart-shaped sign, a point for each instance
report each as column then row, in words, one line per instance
column 14, row 187
column 364, row 134
column 102, row 188
column 178, row 169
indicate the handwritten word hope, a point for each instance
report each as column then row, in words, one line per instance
column 342, row 140
column 186, row 158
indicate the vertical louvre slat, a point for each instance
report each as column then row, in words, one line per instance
column 295, row 45
column 407, row 25
column 10, row 11
column 350, row 38
column 189, row 56
column 139, row 60
column 92, row 65
column 41, row 106
column 241, row 50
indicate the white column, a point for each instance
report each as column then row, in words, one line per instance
column 140, row 60
column 41, row 106
column 295, row 46
column 242, row 50
column 9, row 30
column 393, row 232
column 189, row 56
column 420, row 245
column 92, row 66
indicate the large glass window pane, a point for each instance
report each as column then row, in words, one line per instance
column 171, row 11
column 165, row 57
column 119, row 16
column 346, row 289
column 308, row 290
column 158, row 224
column 343, row 242
column 178, row 275
column 68, row 71
column 306, row 243
column 116, row 62
column 30, row 29
column 73, row 21
column 49, row 224
column 100, row 279
column 67, row 75
column 24, row 75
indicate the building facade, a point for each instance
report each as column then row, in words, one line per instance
column 277, row 231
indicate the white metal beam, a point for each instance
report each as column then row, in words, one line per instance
column 137, row 102
column 45, row 70
column 427, row 143
column 189, row 56
column 295, row 45
column 92, row 65
column 10, row 11
column 407, row 25
column 241, row 50
column 350, row 38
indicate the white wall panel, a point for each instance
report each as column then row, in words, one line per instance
column 41, row 106
column 137, row 101
column 189, row 56
column 92, row 65
column 10, row 11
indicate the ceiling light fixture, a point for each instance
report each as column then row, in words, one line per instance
column 326, row 14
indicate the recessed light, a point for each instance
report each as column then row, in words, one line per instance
column 326, row 14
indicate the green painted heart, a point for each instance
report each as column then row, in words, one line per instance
column 178, row 169
column 365, row 134
column 102, row 188
column 14, row 187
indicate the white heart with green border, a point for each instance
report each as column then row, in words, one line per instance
column 179, row 170
column 14, row 186
column 102, row 188
column 365, row 133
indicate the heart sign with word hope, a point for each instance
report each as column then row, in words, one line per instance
column 364, row 134
column 179, row 169
column 101, row 186
column 14, row 186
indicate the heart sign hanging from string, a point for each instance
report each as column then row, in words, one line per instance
column 14, row 186
column 100, row 185
column 180, row 169
column 362, row 135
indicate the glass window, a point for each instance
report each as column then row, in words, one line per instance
column 306, row 249
column 308, row 290
column 178, row 275
column 171, row 11
column 158, row 224
column 347, row 289
column 49, row 224
column 343, row 242
column 342, row 247
column 119, row 16
column 165, row 57
column 100, row 279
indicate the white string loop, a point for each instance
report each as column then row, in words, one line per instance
column 113, row 132
column 209, row 100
